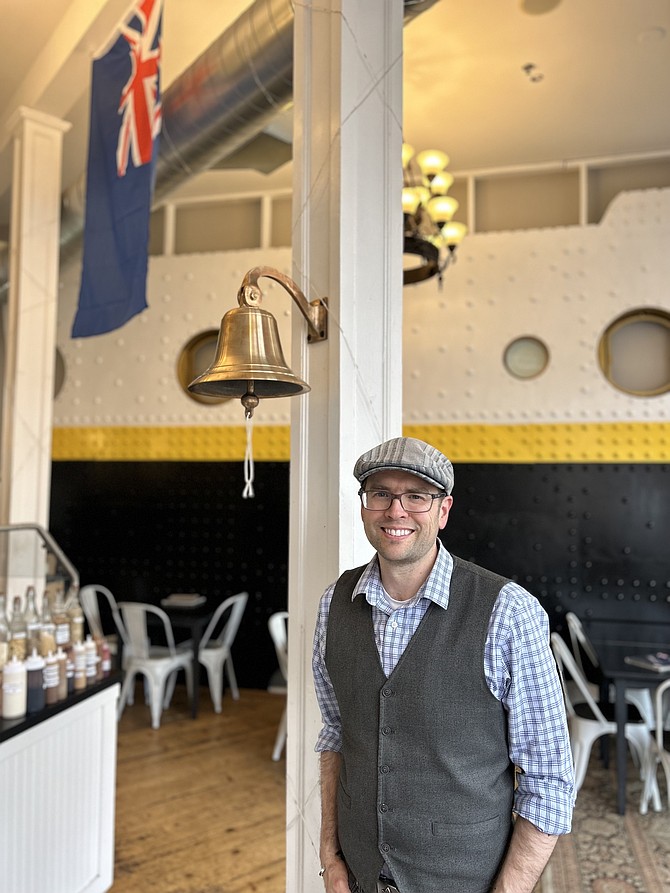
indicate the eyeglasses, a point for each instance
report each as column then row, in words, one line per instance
column 382, row 500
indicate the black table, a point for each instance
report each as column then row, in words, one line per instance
column 194, row 620
column 613, row 644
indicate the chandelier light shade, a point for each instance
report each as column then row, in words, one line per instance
column 430, row 235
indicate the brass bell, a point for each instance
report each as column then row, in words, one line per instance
column 249, row 362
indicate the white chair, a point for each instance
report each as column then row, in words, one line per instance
column 214, row 653
column 663, row 748
column 277, row 626
column 587, row 723
column 158, row 664
column 89, row 597
column 581, row 644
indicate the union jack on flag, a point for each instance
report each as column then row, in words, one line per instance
column 123, row 147
column 140, row 101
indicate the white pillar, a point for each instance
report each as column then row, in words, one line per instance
column 347, row 246
column 27, row 412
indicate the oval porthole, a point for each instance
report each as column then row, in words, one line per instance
column 526, row 357
column 59, row 373
column 634, row 352
column 196, row 356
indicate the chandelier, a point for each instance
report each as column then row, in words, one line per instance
column 429, row 232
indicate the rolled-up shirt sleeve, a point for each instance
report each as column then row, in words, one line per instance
column 330, row 736
column 524, row 677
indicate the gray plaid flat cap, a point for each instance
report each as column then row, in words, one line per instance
column 407, row 454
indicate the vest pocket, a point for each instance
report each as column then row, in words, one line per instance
column 458, row 829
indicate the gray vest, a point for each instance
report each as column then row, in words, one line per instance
column 426, row 783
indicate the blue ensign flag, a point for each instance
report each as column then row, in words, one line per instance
column 123, row 147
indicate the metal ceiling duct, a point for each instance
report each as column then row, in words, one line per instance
column 221, row 102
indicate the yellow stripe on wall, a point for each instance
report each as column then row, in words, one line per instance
column 601, row 442
column 176, row 444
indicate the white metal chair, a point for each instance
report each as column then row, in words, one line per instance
column 159, row 664
column 581, row 644
column 277, row 626
column 587, row 722
column 662, row 744
column 214, row 653
column 89, row 597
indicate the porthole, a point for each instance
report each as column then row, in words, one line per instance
column 59, row 373
column 196, row 356
column 634, row 352
column 526, row 357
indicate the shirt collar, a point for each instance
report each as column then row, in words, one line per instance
column 435, row 589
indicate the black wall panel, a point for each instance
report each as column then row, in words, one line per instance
column 588, row 538
column 593, row 539
column 146, row 529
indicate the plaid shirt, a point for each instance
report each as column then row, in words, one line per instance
column 520, row 672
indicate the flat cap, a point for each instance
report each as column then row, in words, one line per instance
column 411, row 455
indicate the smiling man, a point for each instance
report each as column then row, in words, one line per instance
column 438, row 692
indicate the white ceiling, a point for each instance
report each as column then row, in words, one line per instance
column 599, row 84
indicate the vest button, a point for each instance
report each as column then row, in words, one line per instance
column 383, row 807
column 385, row 770
column 386, row 730
column 385, row 848
column 387, row 692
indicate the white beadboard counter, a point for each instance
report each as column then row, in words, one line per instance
column 58, row 784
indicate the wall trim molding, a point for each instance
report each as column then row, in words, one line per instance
column 560, row 442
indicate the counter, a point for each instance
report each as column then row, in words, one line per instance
column 58, row 784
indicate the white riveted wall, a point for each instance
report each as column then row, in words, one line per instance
column 563, row 286
column 129, row 377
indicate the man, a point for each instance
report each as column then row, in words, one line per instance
column 445, row 757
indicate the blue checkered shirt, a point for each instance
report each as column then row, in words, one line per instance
column 520, row 672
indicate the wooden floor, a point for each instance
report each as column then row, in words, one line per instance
column 201, row 809
column 200, row 803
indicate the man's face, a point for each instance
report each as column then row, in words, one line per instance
column 400, row 536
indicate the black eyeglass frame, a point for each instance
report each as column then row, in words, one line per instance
column 393, row 496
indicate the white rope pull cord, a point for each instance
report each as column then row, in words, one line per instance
column 248, row 492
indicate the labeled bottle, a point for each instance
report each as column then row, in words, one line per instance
column 4, row 632
column 51, row 678
column 36, row 698
column 18, row 642
column 79, row 658
column 69, row 670
column 76, row 616
column 47, row 628
column 91, row 652
column 32, row 620
column 61, row 621
column 61, row 658
column 14, row 689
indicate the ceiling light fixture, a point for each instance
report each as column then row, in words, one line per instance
column 429, row 231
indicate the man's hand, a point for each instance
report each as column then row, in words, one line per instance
column 336, row 876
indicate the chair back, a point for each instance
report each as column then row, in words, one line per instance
column 235, row 604
column 567, row 664
column 580, row 642
column 135, row 618
column 90, row 602
column 278, row 631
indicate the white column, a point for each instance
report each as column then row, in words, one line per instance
column 25, row 469
column 347, row 246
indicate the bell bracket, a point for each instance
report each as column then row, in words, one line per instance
column 315, row 312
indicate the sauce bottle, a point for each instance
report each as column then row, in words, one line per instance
column 36, row 698
column 14, row 689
